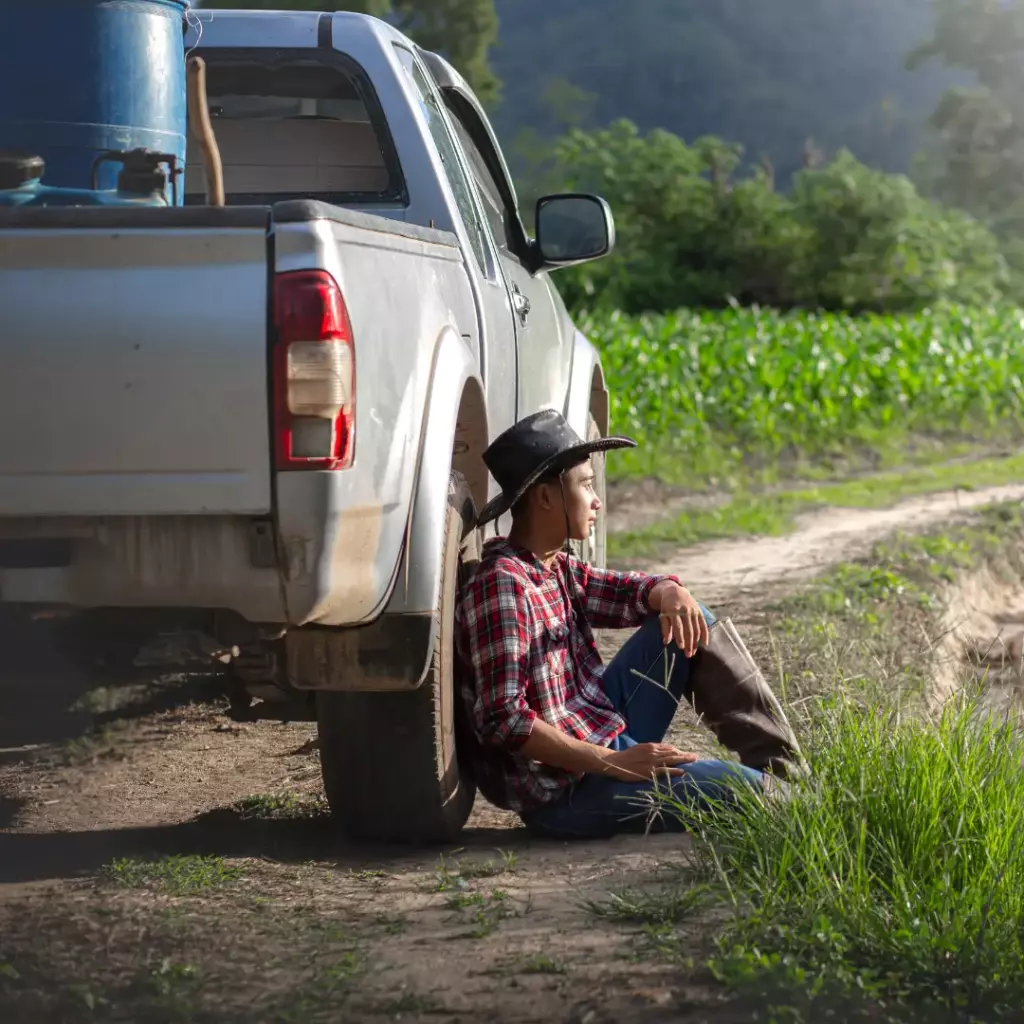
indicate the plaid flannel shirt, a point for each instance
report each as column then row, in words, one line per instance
column 524, row 635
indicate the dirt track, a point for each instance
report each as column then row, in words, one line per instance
column 510, row 941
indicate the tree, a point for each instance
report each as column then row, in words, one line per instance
column 980, row 162
column 689, row 234
column 981, row 125
column 694, row 232
column 463, row 30
column 876, row 244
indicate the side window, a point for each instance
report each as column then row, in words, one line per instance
column 494, row 207
column 456, row 174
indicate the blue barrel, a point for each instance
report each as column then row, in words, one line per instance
column 80, row 78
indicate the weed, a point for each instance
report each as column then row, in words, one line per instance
column 541, row 963
column 101, row 741
column 329, row 986
column 891, row 882
column 664, row 907
column 279, row 806
column 174, row 987
column 410, row 1002
column 178, row 874
column 456, row 874
column 373, row 878
column 86, row 998
column 486, row 910
column 391, row 925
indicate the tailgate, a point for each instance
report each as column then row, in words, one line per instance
column 133, row 361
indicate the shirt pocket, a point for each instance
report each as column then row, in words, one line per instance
column 552, row 645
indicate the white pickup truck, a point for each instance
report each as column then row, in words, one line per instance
column 263, row 422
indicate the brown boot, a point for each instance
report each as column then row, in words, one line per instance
column 736, row 703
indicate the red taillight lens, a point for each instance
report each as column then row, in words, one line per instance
column 314, row 373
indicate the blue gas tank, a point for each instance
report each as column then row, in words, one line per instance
column 144, row 180
column 83, row 78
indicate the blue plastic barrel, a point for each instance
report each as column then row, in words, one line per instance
column 79, row 78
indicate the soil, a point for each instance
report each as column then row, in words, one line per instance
column 727, row 571
column 302, row 927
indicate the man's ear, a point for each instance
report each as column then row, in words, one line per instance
column 545, row 496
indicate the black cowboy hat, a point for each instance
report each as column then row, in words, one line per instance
column 520, row 456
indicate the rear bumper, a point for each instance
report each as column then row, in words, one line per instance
column 164, row 568
column 183, row 562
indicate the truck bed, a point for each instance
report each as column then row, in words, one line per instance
column 136, row 394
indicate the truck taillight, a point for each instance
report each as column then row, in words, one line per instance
column 314, row 373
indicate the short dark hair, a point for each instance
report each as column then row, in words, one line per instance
column 552, row 475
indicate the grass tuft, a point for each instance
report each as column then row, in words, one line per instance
column 896, row 874
column 179, row 874
column 280, row 806
column 456, row 874
column 891, row 884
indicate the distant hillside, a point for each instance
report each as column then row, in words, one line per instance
column 767, row 73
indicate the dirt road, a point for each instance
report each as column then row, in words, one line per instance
column 266, row 917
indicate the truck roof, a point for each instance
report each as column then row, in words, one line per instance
column 285, row 28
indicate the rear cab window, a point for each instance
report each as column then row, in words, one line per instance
column 291, row 127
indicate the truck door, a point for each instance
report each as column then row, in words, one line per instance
column 545, row 347
column 499, row 362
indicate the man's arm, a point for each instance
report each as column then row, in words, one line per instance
column 556, row 749
column 497, row 623
column 619, row 600
column 616, row 600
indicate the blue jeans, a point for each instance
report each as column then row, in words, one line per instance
column 599, row 806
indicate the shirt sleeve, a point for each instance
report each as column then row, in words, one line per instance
column 615, row 600
column 498, row 642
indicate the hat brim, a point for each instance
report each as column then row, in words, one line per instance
column 577, row 453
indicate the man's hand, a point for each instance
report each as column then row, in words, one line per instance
column 645, row 761
column 681, row 617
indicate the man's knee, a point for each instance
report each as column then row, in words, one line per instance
column 718, row 779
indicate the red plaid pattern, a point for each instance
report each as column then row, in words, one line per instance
column 526, row 649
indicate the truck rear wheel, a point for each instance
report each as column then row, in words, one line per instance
column 389, row 760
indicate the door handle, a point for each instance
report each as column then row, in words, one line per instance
column 521, row 303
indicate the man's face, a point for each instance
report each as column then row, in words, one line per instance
column 581, row 502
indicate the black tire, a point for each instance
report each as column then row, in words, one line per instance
column 595, row 551
column 390, row 760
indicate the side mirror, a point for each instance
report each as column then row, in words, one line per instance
column 573, row 228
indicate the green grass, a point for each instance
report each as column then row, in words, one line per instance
column 453, row 873
column 891, row 886
column 708, row 391
column 483, row 911
column 773, row 514
column 179, row 874
column 280, row 806
column 541, row 963
column 898, row 874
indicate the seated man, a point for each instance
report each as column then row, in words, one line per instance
column 576, row 748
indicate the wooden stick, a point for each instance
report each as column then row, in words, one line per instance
column 202, row 129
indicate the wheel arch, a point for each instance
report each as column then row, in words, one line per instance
column 470, row 439
column 394, row 652
column 588, row 391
